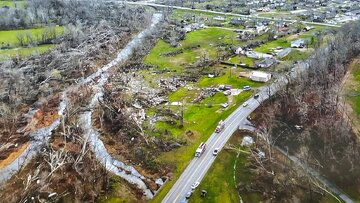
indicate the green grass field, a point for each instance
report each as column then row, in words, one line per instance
column 242, row 59
column 356, row 99
column 267, row 47
column 296, row 55
column 7, row 3
column 9, row 53
column 10, row 3
column 234, row 81
column 10, row 36
column 208, row 39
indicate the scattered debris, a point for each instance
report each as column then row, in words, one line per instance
column 247, row 141
column 225, row 105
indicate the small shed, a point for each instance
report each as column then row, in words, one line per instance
column 259, row 76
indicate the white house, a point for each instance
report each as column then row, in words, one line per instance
column 259, row 76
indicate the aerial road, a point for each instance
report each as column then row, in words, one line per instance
column 198, row 167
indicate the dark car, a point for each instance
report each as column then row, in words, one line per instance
column 256, row 96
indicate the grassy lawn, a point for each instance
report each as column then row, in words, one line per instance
column 242, row 59
column 10, row 36
column 356, row 99
column 7, row 3
column 219, row 181
column 296, row 55
column 208, row 39
column 10, row 3
column 234, row 81
column 9, row 53
column 267, row 47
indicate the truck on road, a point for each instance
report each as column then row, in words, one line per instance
column 220, row 126
column 200, row 150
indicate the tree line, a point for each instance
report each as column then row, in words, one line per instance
column 326, row 142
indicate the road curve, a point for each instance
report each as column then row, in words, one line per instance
column 198, row 167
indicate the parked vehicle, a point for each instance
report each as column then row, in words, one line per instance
column 195, row 185
column 220, row 126
column 188, row 194
column 216, row 151
column 256, row 96
column 200, row 150
column 246, row 88
column 245, row 104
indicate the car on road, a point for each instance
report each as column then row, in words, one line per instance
column 246, row 88
column 256, row 96
column 245, row 104
column 195, row 185
column 216, row 151
column 188, row 194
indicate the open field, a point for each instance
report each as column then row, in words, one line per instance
column 242, row 59
column 208, row 39
column 356, row 99
column 10, row 36
column 265, row 48
column 10, row 3
column 26, row 51
column 11, row 45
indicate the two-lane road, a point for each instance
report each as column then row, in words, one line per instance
column 198, row 167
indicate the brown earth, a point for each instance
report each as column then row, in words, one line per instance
column 13, row 155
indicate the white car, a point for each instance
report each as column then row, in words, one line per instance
column 245, row 104
column 216, row 151
column 195, row 185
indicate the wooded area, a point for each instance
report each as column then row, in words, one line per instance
column 324, row 138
